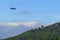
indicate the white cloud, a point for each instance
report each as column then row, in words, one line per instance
column 9, row 24
column 30, row 23
column 27, row 24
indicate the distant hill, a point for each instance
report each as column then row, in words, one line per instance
column 50, row 32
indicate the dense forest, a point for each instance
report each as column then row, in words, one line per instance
column 50, row 32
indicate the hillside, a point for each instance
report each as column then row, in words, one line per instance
column 50, row 32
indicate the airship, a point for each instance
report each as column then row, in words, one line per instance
column 13, row 8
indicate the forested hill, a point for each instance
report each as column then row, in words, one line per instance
column 50, row 32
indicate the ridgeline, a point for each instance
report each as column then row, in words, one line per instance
column 50, row 32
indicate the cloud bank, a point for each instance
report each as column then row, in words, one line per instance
column 27, row 24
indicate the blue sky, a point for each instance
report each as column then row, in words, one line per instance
column 46, row 11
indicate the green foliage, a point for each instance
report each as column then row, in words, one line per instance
column 51, row 32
